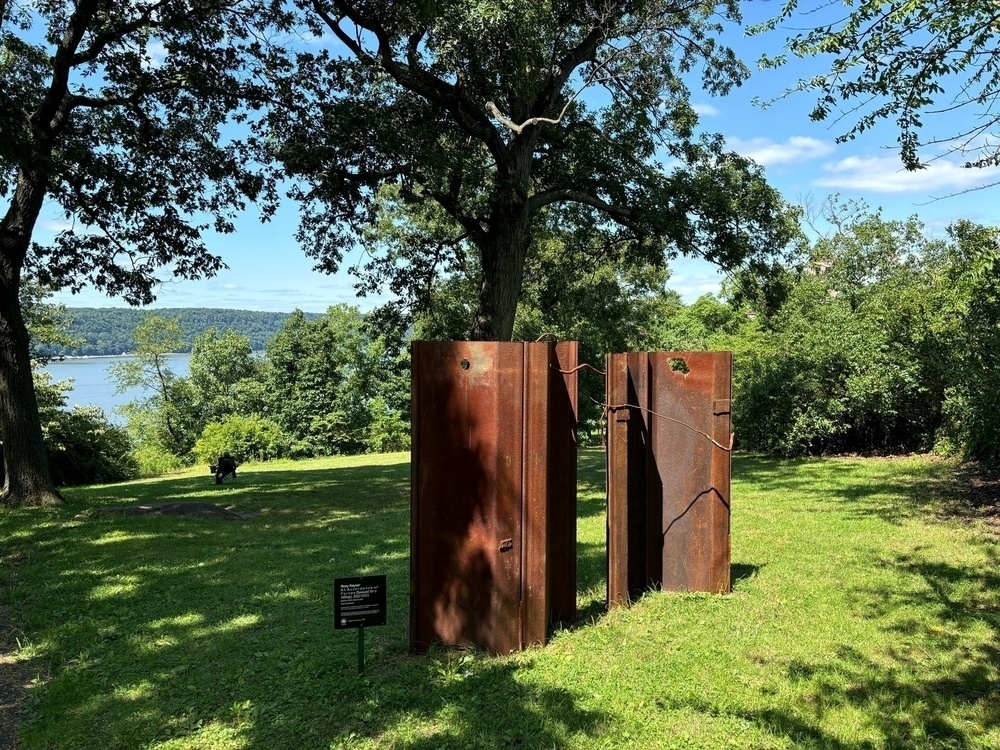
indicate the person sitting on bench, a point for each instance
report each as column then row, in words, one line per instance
column 226, row 467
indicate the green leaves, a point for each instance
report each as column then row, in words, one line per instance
column 497, row 113
column 329, row 380
column 882, row 340
column 906, row 62
column 972, row 421
column 219, row 362
column 119, row 117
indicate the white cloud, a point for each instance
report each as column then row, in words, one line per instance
column 55, row 226
column 796, row 148
column 690, row 291
column 154, row 54
column 885, row 174
column 696, row 277
column 705, row 110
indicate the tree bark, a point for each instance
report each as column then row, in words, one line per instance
column 27, row 480
column 504, row 247
column 503, row 252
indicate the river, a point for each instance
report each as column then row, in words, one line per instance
column 94, row 386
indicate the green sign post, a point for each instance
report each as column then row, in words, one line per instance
column 359, row 602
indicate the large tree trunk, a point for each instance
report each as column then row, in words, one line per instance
column 27, row 480
column 505, row 246
column 504, row 254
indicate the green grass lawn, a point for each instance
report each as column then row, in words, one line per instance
column 860, row 618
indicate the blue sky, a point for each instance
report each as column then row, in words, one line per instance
column 267, row 270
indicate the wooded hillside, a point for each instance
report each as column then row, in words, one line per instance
column 109, row 330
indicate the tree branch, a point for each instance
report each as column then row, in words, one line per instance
column 92, row 217
column 450, row 203
column 51, row 113
column 101, row 41
column 412, row 78
column 622, row 215
column 334, row 25
column 531, row 120
column 73, row 101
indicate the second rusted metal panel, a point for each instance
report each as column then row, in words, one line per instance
column 668, row 472
column 690, row 441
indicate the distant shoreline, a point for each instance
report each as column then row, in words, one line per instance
column 60, row 357
column 110, row 331
column 56, row 359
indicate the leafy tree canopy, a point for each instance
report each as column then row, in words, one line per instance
column 906, row 62
column 506, row 115
column 885, row 338
column 115, row 113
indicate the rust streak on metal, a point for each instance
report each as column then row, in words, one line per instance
column 493, row 472
column 668, row 491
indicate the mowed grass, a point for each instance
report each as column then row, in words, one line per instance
column 860, row 618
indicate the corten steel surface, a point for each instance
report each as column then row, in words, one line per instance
column 493, row 493
column 668, row 482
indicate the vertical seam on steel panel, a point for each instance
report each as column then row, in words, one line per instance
column 523, row 550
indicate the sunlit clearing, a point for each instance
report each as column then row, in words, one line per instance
column 199, row 629
column 190, row 620
column 143, row 690
column 139, row 691
column 119, row 586
column 204, row 733
column 237, row 623
column 116, row 536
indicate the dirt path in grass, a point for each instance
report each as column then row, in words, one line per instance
column 14, row 676
column 977, row 492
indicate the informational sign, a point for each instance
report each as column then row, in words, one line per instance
column 359, row 602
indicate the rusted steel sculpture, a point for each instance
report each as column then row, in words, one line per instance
column 669, row 441
column 493, row 492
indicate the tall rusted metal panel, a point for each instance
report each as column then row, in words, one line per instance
column 669, row 434
column 493, row 492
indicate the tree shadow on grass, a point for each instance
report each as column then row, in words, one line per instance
column 891, row 489
column 456, row 700
column 935, row 686
column 938, row 685
column 182, row 628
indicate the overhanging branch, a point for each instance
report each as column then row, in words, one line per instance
column 415, row 79
column 624, row 216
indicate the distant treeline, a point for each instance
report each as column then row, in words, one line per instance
column 108, row 331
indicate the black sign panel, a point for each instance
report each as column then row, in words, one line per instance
column 359, row 602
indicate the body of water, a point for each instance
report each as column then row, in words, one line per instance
column 94, row 386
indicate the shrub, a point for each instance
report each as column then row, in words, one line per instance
column 248, row 438
column 85, row 448
column 387, row 430
column 154, row 460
